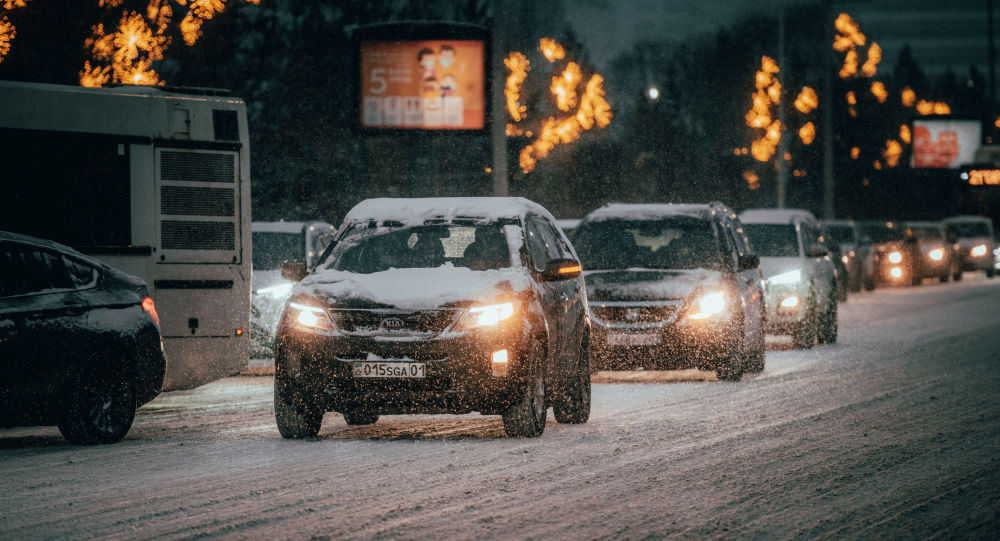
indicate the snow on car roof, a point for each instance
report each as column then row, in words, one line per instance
column 27, row 239
column 645, row 211
column 416, row 211
column 966, row 218
column 567, row 223
column 285, row 227
column 776, row 216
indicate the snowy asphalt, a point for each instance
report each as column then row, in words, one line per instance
column 892, row 432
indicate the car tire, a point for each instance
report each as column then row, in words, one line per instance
column 827, row 332
column 757, row 355
column 991, row 272
column 841, row 292
column 870, row 283
column 804, row 334
column 573, row 407
column 101, row 406
column 294, row 422
column 355, row 417
column 730, row 369
column 944, row 278
column 957, row 276
column 527, row 415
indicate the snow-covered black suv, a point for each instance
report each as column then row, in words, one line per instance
column 444, row 305
column 79, row 342
column 672, row 286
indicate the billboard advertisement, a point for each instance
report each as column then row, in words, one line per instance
column 945, row 144
column 423, row 84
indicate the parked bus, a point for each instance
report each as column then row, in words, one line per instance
column 153, row 181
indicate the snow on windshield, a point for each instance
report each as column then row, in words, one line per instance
column 678, row 242
column 773, row 240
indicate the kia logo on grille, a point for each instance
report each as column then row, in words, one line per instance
column 393, row 323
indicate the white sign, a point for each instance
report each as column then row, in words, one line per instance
column 945, row 144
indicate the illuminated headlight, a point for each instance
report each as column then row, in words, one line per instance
column 709, row 305
column 895, row 257
column 844, row 258
column 310, row 317
column 278, row 291
column 896, row 272
column 790, row 277
column 789, row 302
column 936, row 254
column 979, row 251
column 485, row 316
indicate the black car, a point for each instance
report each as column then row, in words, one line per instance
column 442, row 305
column 79, row 342
column 672, row 286
column 893, row 253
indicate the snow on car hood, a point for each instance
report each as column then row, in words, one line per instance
column 773, row 266
column 646, row 284
column 414, row 288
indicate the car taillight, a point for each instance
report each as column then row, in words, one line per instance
column 150, row 308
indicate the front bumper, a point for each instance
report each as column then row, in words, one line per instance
column 783, row 319
column 459, row 372
column 976, row 263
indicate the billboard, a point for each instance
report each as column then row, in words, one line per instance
column 945, row 144
column 423, row 84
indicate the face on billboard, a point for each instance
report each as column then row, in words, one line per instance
column 945, row 144
column 423, row 85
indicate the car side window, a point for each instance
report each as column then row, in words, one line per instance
column 536, row 243
column 728, row 243
column 28, row 271
column 81, row 275
column 742, row 242
column 562, row 249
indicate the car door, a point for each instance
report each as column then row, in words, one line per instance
column 42, row 320
column 821, row 268
column 572, row 294
column 541, row 249
column 749, row 280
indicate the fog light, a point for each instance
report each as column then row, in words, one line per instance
column 790, row 302
column 500, row 363
column 936, row 254
column 896, row 272
column 895, row 257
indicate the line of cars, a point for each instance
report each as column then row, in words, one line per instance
column 905, row 253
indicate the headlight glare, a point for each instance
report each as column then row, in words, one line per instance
column 709, row 305
column 895, row 257
column 936, row 254
column 278, row 291
column 790, row 277
column 484, row 316
column 979, row 251
column 310, row 317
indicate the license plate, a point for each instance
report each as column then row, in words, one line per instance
column 367, row 369
column 632, row 339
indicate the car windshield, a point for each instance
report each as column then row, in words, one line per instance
column 970, row 229
column 680, row 242
column 478, row 247
column 773, row 240
column 842, row 234
column 880, row 234
column 926, row 232
column 271, row 249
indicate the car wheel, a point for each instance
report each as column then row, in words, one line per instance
column 827, row 333
column 356, row 417
column 757, row 355
column 944, row 278
column 841, row 291
column 573, row 406
column 991, row 272
column 731, row 369
column 804, row 334
column 294, row 422
column 526, row 416
column 101, row 406
column 957, row 275
column 870, row 283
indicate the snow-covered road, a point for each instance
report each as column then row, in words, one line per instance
column 892, row 432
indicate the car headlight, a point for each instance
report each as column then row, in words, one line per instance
column 979, row 251
column 844, row 259
column 278, row 291
column 709, row 305
column 937, row 254
column 485, row 316
column 309, row 317
column 895, row 257
column 790, row 277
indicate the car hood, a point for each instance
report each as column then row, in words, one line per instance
column 970, row 242
column 773, row 266
column 647, row 284
column 412, row 288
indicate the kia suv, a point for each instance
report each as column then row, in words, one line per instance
column 440, row 305
column 672, row 286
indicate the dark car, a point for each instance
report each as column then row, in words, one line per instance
column 442, row 305
column 854, row 248
column 933, row 250
column 672, row 286
column 79, row 342
column 974, row 244
column 892, row 255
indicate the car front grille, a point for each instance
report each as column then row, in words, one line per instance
column 393, row 322
column 635, row 314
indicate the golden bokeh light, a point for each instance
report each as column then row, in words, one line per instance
column 807, row 100
column 879, row 91
column 551, row 50
column 874, row 57
column 807, row 133
column 904, row 134
column 518, row 66
column 855, row 153
column 908, row 97
column 893, row 151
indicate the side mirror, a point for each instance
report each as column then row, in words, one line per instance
column 817, row 251
column 561, row 269
column 293, row 270
column 749, row 261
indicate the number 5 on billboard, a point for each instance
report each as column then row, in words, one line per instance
column 378, row 81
